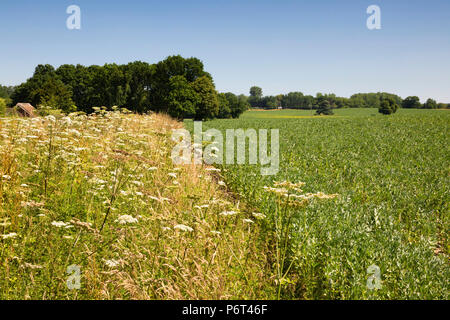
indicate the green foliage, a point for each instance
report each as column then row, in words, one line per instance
column 224, row 107
column 2, row 106
column 297, row 100
column 256, row 92
column 191, row 69
column 412, row 102
column 47, row 111
column 373, row 100
column 430, row 104
column 392, row 208
column 6, row 91
column 207, row 106
column 56, row 95
column 388, row 106
column 169, row 86
column 324, row 108
column 237, row 106
column 232, row 106
column 98, row 192
column 181, row 99
column 46, row 89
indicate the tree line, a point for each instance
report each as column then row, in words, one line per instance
column 297, row 100
column 177, row 86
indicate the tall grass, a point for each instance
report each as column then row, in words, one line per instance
column 101, row 192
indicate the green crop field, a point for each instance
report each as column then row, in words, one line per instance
column 391, row 174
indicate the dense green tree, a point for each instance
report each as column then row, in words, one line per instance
column 240, row 106
column 6, row 91
column 272, row 102
column 388, row 106
column 256, row 92
column 256, row 97
column 191, row 69
column 172, row 85
column 140, row 84
column 207, row 106
column 372, row 100
column 224, row 106
column 232, row 106
column 45, row 88
column 182, row 99
column 342, row 102
column 430, row 104
column 357, row 101
column 411, row 102
column 56, row 95
column 324, row 108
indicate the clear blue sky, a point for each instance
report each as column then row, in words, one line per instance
column 279, row 45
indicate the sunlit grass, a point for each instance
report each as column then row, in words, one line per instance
column 101, row 192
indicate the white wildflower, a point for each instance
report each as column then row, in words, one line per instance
column 112, row 263
column 9, row 235
column 50, row 118
column 126, row 218
column 202, row 206
column 182, row 227
column 61, row 224
column 137, row 183
column 75, row 132
column 227, row 213
column 259, row 215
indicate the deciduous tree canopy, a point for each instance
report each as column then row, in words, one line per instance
column 177, row 86
column 388, row 106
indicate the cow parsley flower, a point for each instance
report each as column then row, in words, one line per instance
column 184, row 228
column 126, row 218
column 9, row 235
column 259, row 215
column 227, row 213
column 112, row 263
column 61, row 224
